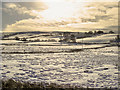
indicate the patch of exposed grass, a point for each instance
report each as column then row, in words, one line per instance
column 11, row 84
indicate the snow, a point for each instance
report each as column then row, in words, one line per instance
column 84, row 68
column 105, row 38
column 96, row 68
column 9, row 41
column 56, row 47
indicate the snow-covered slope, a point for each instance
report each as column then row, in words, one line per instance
column 98, row 39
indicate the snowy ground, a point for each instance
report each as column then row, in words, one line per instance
column 96, row 68
column 105, row 38
column 89, row 68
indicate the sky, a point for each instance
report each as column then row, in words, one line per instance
column 60, row 15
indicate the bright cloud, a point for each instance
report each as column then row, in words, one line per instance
column 24, row 8
column 64, row 15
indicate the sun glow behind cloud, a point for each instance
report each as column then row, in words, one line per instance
column 63, row 15
column 60, row 10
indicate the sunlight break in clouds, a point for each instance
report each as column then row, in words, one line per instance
column 65, row 15
column 61, row 10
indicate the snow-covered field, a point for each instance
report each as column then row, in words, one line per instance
column 89, row 68
column 96, row 68
column 42, row 49
column 105, row 38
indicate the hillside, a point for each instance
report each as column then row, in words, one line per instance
column 105, row 38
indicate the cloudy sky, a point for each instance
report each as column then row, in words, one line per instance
column 60, row 15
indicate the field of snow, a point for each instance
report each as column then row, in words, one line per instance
column 54, row 63
column 89, row 68
column 10, row 41
column 105, row 38
column 41, row 49
column 99, row 39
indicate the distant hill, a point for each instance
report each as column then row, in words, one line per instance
column 105, row 38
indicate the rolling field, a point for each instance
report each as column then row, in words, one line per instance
column 53, row 62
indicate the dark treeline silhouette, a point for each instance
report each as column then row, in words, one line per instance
column 95, row 32
column 98, row 32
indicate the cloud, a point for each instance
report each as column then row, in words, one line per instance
column 38, row 6
column 16, row 11
column 24, row 8
column 71, row 25
column 37, row 25
column 10, row 7
column 97, row 18
column 55, row 17
column 102, row 13
column 113, row 28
